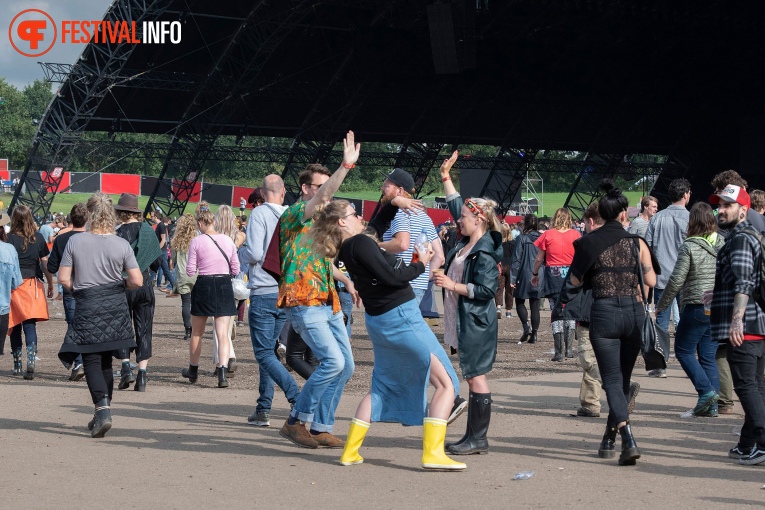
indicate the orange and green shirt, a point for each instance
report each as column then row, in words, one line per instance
column 306, row 278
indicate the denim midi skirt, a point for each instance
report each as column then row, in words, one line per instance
column 402, row 344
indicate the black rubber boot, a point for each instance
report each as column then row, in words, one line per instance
column 188, row 334
column 191, row 373
column 479, row 415
column 102, row 419
column 533, row 338
column 140, row 381
column 526, row 333
column 31, row 354
column 17, row 367
column 126, row 376
column 569, row 340
column 606, row 449
column 558, row 339
column 222, row 379
column 630, row 451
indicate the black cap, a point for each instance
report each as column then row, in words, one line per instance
column 402, row 178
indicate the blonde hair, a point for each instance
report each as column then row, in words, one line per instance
column 326, row 235
column 225, row 222
column 489, row 210
column 185, row 231
column 562, row 219
column 204, row 214
column 507, row 233
column 102, row 217
column 23, row 224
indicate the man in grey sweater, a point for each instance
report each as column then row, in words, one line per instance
column 266, row 320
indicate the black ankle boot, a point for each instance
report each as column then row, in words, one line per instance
column 630, row 451
column 606, row 449
column 140, row 381
column 126, row 376
column 17, row 362
column 569, row 340
column 222, row 380
column 533, row 338
column 188, row 334
column 558, row 339
column 526, row 333
column 102, row 419
column 232, row 366
column 479, row 416
column 191, row 373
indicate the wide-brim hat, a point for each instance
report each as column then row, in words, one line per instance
column 4, row 219
column 128, row 202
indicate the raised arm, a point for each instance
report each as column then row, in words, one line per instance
column 446, row 167
column 329, row 188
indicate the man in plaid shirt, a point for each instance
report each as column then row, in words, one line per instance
column 738, row 320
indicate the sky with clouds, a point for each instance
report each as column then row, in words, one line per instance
column 19, row 70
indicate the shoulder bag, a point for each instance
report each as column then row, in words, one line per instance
column 241, row 292
column 655, row 340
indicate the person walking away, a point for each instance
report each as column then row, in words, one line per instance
column 693, row 274
column 10, row 279
column 96, row 267
column 28, row 303
column 185, row 231
column 505, row 290
column 737, row 319
column 521, row 268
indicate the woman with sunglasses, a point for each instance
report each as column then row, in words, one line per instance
column 470, row 279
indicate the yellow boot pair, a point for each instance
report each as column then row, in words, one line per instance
column 356, row 434
column 433, row 456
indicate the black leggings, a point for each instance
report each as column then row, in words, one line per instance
column 299, row 356
column 186, row 309
column 520, row 308
column 99, row 374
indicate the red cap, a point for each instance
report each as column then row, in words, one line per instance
column 732, row 193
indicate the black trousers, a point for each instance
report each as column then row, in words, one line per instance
column 3, row 331
column 299, row 356
column 99, row 374
column 141, row 303
column 523, row 316
column 186, row 309
column 616, row 326
column 747, row 365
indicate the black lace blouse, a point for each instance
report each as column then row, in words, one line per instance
column 614, row 273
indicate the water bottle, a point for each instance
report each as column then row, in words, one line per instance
column 421, row 244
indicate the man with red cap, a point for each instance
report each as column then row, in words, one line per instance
column 737, row 319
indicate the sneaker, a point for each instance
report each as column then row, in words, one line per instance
column 756, row 457
column 712, row 413
column 327, row 440
column 705, row 402
column 739, row 452
column 634, row 390
column 460, row 404
column 298, row 435
column 239, row 324
column 508, row 314
column 78, row 372
column 587, row 413
column 259, row 419
column 499, row 313
column 659, row 372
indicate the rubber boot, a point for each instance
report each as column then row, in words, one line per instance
column 188, row 334
column 479, row 415
column 31, row 354
column 558, row 339
column 606, row 449
column 356, row 434
column 526, row 334
column 433, row 456
column 630, row 451
column 191, row 373
column 533, row 338
column 140, row 381
column 102, row 419
column 17, row 362
column 222, row 379
column 126, row 376
column 569, row 341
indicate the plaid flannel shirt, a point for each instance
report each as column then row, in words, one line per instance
column 737, row 272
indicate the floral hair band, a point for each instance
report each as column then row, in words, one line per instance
column 475, row 209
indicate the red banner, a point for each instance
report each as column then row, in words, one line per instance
column 183, row 192
column 239, row 193
column 116, row 184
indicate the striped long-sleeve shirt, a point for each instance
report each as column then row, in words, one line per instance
column 737, row 272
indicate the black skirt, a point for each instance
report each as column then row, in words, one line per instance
column 213, row 296
column 555, row 279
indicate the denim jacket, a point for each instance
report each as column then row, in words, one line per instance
column 10, row 275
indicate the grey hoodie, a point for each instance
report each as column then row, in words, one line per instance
column 260, row 228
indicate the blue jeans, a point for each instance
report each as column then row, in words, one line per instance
column 692, row 338
column 164, row 269
column 662, row 318
column 418, row 295
column 325, row 334
column 266, row 322
column 68, row 300
column 346, row 305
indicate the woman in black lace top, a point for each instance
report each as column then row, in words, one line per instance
column 607, row 261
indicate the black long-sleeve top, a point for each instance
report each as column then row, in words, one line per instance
column 382, row 279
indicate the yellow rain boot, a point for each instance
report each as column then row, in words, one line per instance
column 433, row 456
column 356, row 434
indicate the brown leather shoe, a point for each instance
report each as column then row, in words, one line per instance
column 327, row 440
column 298, row 435
column 725, row 410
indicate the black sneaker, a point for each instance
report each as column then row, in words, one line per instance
column 756, row 457
column 739, row 452
column 460, row 404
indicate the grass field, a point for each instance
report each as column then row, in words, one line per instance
column 64, row 201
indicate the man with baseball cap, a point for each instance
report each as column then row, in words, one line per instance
column 737, row 319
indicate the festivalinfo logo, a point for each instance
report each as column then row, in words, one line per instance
column 33, row 32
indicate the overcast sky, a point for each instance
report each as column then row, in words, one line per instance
column 19, row 70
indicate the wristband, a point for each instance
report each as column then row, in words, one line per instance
column 454, row 289
column 352, row 165
column 447, row 178
column 534, row 274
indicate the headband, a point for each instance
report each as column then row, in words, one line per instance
column 475, row 209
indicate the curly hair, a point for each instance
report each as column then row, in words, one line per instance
column 561, row 219
column 185, row 231
column 225, row 222
column 728, row 177
column 23, row 224
column 326, row 235
column 102, row 216
column 126, row 216
column 204, row 214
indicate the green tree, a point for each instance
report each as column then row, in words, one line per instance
column 16, row 128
